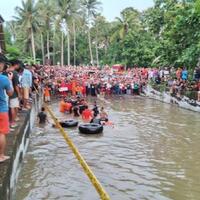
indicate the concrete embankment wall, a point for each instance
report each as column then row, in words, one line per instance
column 185, row 102
column 17, row 143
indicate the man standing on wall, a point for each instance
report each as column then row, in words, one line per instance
column 5, row 86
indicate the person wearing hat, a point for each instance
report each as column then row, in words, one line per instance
column 5, row 86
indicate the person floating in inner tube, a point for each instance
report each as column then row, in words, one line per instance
column 95, row 120
column 87, row 115
column 104, row 117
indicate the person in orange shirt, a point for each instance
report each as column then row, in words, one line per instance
column 78, row 90
column 62, row 106
column 87, row 115
column 73, row 87
column 47, row 95
column 68, row 107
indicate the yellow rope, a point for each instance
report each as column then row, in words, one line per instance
column 86, row 168
column 102, row 193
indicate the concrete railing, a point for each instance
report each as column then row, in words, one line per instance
column 165, row 97
column 17, row 144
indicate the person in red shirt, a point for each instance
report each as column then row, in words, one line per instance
column 69, row 86
column 74, row 87
column 199, row 91
column 63, row 85
column 87, row 115
column 84, row 89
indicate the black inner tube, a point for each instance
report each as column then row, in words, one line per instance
column 91, row 128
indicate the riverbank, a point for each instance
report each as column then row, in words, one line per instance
column 17, row 143
column 165, row 97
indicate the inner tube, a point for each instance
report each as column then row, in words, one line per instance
column 69, row 123
column 91, row 128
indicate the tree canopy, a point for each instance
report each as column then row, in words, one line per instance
column 166, row 34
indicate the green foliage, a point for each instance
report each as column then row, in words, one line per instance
column 30, row 60
column 167, row 34
column 12, row 52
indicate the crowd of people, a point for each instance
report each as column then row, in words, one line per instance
column 15, row 85
column 93, row 81
column 177, row 81
column 73, row 83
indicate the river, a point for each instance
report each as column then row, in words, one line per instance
column 152, row 153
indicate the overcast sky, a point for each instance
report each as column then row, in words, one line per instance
column 111, row 8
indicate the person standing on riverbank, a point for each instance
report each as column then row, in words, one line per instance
column 5, row 86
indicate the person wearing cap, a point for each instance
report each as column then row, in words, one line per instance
column 5, row 86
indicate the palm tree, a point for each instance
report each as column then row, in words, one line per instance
column 67, row 11
column 12, row 27
column 129, row 19
column 91, row 8
column 73, row 21
column 101, row 28
column 27, row 19
column 45, row 14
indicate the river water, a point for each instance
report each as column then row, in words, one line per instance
column 152, row 153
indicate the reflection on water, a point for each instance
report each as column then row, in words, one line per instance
column 152, row 153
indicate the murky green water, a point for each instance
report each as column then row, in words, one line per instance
column 153, row 153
